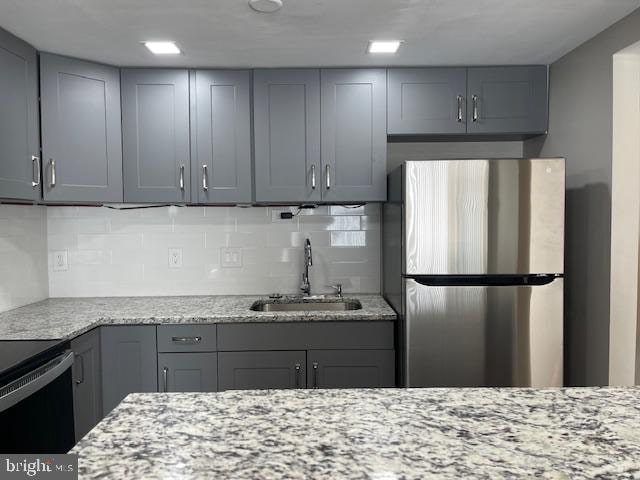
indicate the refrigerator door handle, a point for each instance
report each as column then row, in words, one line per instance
column 484, row 280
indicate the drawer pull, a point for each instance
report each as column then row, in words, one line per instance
column 186, row 340
column 297, row 368
column 315, row 375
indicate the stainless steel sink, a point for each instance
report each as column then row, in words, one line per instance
column 302, row 306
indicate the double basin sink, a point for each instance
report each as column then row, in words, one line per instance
column 297, row 304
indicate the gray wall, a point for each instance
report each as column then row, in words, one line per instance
column 580, row 129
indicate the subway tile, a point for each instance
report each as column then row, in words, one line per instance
column 140, row 225
column 345, row 222
column 132, row 258
column 107, row 241
column 348, row 239
column 174, row 240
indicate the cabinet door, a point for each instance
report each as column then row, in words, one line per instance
column 426, row 101
column 87, row 382
column 81, row 133
column 507, row 99
column 128, row 363
column 221, row 136
column 19, row 135
column 260, row 370
column 351, row 368
column 155, row 125
column 286, row 115
column 187, row 372
column 354, row 135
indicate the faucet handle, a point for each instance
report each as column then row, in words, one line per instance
column 338, row 288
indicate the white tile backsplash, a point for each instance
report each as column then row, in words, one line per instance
column 23, row 255
column 125, row 252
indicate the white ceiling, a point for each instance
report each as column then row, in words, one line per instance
column 227, row 33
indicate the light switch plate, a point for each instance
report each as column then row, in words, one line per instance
column 60, row 263
column 230, row 257
column 175, row 258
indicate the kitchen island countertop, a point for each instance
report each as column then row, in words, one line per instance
column 66, row 318
column 378, row 434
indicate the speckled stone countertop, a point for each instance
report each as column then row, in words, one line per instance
column 65, row 318
column 376, row 434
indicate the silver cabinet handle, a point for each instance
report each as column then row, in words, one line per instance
column 187, row 340
column 205, row 180
column 474, row 100
column 327, row 172
column 297, row 367
column 78, row 382
column 52, row 167
column 313, row 177
column 36, row 175
column 165, row 374
column 182, row 177
column 460, row 100
column 315, row 374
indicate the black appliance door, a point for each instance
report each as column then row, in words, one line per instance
column 36, row 410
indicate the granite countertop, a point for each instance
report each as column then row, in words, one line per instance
column 377, row 434
column 65, row 318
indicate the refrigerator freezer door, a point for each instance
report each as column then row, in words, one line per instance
column 484, row 217
column 466, row 336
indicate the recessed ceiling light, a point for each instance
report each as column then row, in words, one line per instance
column 162, row 48
column 265, row 6
column 390, row 46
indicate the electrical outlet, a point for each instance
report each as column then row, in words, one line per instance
column 231, row 257
column 60, row 261
column 175, row 258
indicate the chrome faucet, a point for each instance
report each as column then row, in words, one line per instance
column 308, row 261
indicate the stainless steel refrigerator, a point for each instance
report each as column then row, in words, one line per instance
column 473, row 262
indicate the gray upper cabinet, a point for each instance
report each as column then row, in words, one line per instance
column 427, row 101
column 260, row 370
column 187, row 372
column 507, row 99
column 87, row 382
column 155, row 126
column 19, row 135
column 221, row 136
column 129, row 362
column 286, row 110
column 81, row 136
column 354, row 135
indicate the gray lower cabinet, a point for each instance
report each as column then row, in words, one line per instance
column 81, row 132
column 19, row 123
column 155, row 140
column 507, row 99
column 286, row 116
column 87, row 382
column 328, row 354
column 427, row 101
column 129, row 362
column 187, row 372
column 261, row 370
column 221, row 136
column 354, row 135
column 351, row 368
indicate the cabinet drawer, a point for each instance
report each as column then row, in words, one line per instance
column 305, row 336
column 186, row 338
